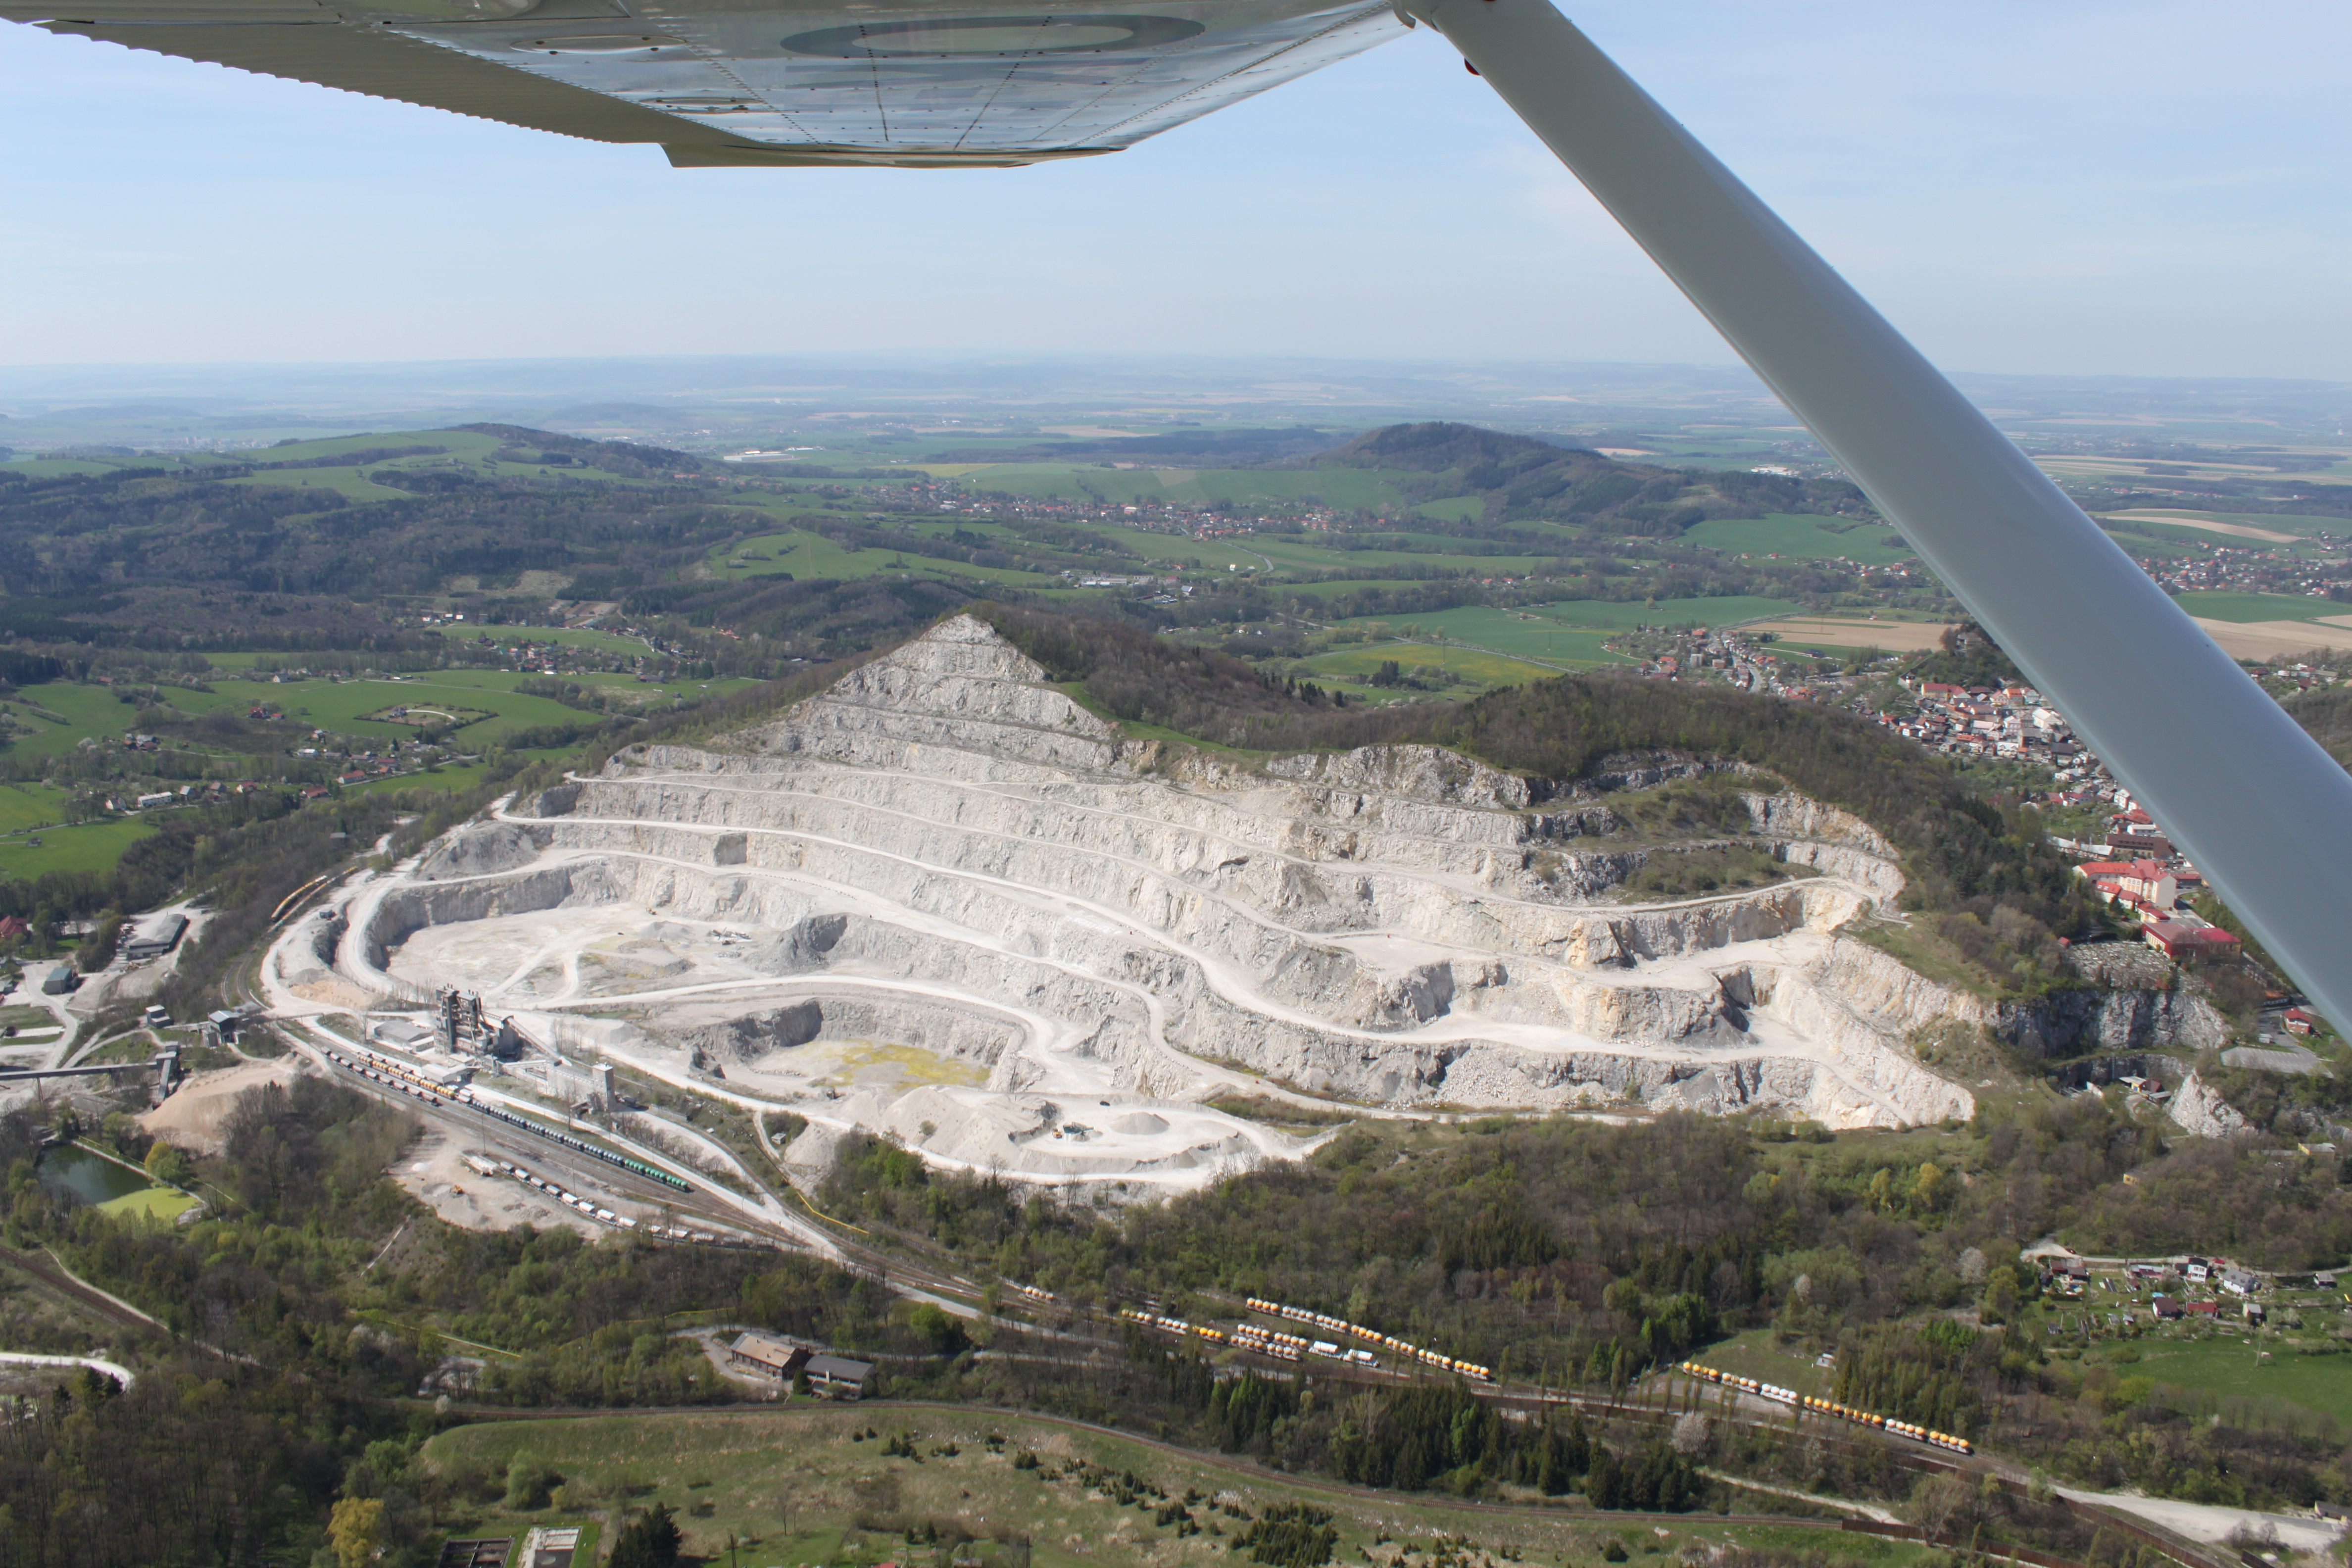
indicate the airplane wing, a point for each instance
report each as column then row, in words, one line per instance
column 751, row 82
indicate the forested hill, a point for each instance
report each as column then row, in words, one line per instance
column 177, row 546
column 1975, row 861
column 1522, row 480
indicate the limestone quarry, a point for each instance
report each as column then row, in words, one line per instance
column 945, row 901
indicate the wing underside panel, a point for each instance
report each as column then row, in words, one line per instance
column 731, row 82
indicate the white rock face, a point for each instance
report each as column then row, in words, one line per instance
column 944, row 894
column 2198, row 1109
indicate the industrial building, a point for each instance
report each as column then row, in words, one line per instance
column 59, row 980
column 835, row 1377
column 578, row 1083
column 154, row 936
column 458, row 1018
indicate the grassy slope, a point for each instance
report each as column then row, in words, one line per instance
column 803, row 1453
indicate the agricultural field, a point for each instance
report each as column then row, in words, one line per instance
column 1479, row 671
column 1569, row 632
column 2235, row 530
column 1804, row 634
column 1809, row 538
column 1512, row 633
column 2079, row 466
column 1717, row 613
column 2248, row 607
column 788, row 1485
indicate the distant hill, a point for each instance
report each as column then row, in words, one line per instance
column 1522, row 480
column 1435, row 446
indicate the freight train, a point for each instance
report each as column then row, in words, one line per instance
column 1871, row 1418
column 1403, row 1349
column 393, row 1074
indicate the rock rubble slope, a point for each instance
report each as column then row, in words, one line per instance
column 945, row 899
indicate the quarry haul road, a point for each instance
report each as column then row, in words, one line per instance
column 1222, row 976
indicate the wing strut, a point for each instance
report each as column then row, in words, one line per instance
column 2265, row 813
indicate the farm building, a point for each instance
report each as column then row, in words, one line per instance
column 765, row 1354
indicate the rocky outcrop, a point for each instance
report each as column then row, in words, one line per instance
column 2076, row 1023
column 959, row 685
column 2198, row 1109
column 1412, row 773
column 477, row 849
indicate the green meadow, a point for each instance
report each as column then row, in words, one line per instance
column 91, row 846
column 2225, row 606
column 2228, row 1367
column 1730, row 610
column 162, row 1205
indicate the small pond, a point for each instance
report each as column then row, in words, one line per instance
column 88, row 1177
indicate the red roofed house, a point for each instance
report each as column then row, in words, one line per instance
column 2179, row 940
column 2295, row 1020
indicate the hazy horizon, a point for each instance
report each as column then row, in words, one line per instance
column 2104, row 190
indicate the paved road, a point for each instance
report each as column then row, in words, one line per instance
column 2215, row 1525
column 115, row 1370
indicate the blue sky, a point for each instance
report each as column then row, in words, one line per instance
column 2089, row 187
